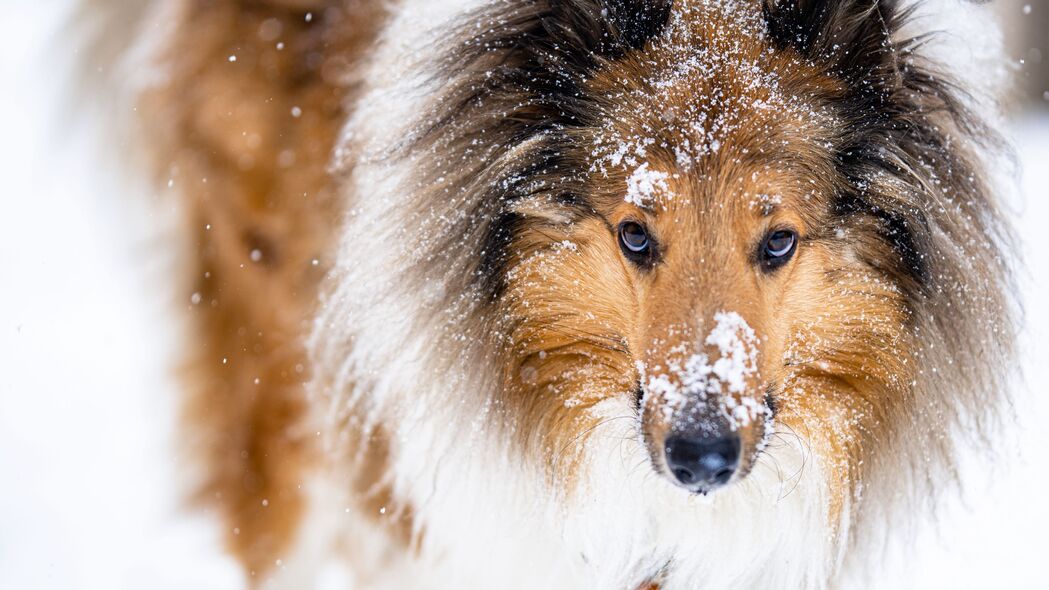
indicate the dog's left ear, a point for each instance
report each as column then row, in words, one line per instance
column 852, row 38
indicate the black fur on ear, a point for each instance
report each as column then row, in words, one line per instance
column 511, row 86
column 852, row 38
column 631, row 23
column 545, row 48
column 598, row 27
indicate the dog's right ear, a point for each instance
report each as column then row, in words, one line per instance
column 539, row 52
column 513, row 83
column 574, row 31
column 629, row 24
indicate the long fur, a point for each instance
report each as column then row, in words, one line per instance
column 479, row 410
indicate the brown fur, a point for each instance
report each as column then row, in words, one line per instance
column 260, row 207
column 580, row 318
column 850, row 330
column 872, row 157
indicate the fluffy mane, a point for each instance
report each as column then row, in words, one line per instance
column 497, row 149
column 442, row 361
column 500, row 134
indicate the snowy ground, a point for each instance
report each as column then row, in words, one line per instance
column 88, row 480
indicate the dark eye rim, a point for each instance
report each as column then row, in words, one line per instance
column 771, row 261
column 645, row 257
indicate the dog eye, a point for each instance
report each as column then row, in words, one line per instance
column 633, row 238
column 778, row 247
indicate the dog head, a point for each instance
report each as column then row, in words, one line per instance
column 748, row 218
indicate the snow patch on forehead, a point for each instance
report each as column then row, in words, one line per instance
column 645, row 186
column 709, row 77
column 720, row 380
column 725, row 78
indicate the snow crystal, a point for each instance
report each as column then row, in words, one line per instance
column 765, row 203
column 684, row 108
column 645, row 185
column 529, row 375
column 735, row 340
column 715, row 379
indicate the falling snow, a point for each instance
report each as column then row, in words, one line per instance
column 88, row 427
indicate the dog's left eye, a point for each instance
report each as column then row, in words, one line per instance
column 778, row 247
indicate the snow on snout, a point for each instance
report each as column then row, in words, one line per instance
column 714, row 380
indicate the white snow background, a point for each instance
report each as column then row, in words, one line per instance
column 89, row 483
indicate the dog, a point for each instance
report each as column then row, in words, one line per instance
column 573, row 293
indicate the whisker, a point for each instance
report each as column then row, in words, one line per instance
column 576, row 438
column 806, row 450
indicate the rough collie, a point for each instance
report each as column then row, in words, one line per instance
column 572, row 293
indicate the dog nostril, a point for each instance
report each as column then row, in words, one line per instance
column 684, row 476
column 702, row 461
column 723, row 476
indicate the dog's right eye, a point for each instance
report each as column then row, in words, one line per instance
column 636, row 243
column 634, row 237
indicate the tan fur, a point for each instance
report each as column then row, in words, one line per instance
column 246, row 129
column 246, row 140
column 582, row 313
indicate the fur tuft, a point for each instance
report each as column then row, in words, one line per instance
column 494, row 374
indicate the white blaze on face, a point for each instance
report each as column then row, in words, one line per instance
column 716, row 380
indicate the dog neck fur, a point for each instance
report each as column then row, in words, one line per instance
column 400, row 360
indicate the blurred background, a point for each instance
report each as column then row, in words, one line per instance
column 90, row 474
column 1025, row 24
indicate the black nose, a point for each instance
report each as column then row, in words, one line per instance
column 703, row 463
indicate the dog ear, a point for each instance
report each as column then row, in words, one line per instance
column 629, row 24
column 538, row 53
column 513, row 83
column 852, row 38
column 582, row 29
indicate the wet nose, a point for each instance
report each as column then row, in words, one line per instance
column 702, row 463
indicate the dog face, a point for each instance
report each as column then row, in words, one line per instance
column 741, row 217
column 713, row 280
column 722, row 179
column 709, row 276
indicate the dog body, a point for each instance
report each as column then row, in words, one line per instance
column 599, row 294
column 508, row 524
